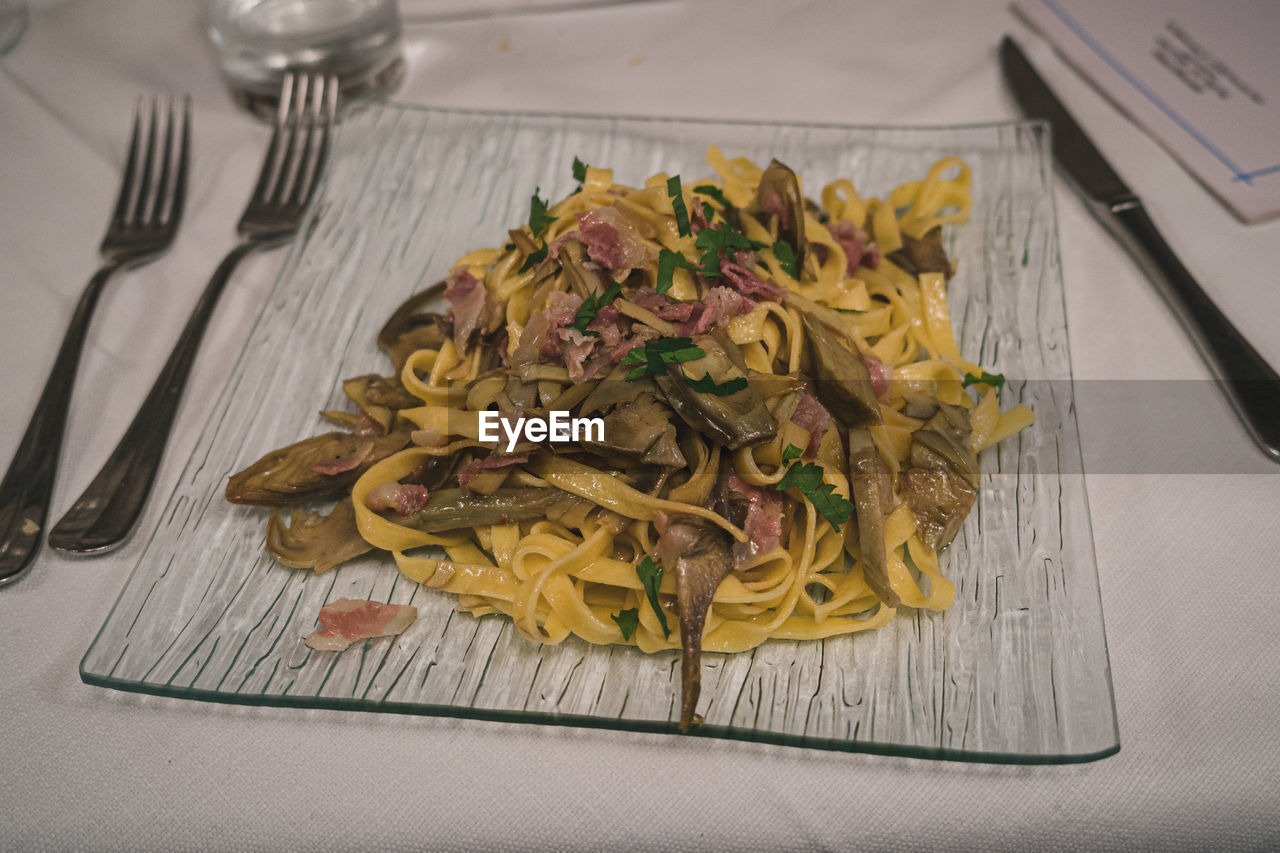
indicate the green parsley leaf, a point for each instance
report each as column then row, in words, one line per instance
column 708, row 212
column 654, row 356
column 591, row 306
column 807, row 478
column 677, row 205
column 848, row 310
column 787, row 259
column 628, row 621
column 707, row 385
column 668, row 261
column 724, row 238
column 995, row 380
column 712, row 191
column 712, row 240
column 791, row 452
column 579, row 174
column 539, row 219
column 650, row 574
column 534, row 259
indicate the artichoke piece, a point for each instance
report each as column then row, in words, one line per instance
column 518, row 394
column 379, row 398
column 350, row 420
column 430, row 335
column 615, row 390
column 700, row 553
column 919, row 406
column 583, row 280
column 452, row 509
column 642, row 430
column 296, row 474
column 872, row 488
column 411, row 328
column 923, row 254
column 387, row 391
column 434, row 471
column 485, row 476
column 769, row 385
column 312, row 541
column 779, row 194
column 523, row 242
column 572, row 395
column 941, row 485
column 840, row 375
column 735, row 420
column 702, row 558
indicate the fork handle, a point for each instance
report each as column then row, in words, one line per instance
column 103, row 516
column 28, row 484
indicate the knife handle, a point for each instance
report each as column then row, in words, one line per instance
column 1251, row 384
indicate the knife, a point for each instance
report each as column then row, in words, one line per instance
column 1251, row 385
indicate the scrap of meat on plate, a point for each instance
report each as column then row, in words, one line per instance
column 347, row 620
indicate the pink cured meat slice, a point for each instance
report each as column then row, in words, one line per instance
column 347, row 620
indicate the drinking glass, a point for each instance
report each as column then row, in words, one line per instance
column 257, row 41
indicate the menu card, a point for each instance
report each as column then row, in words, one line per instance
column 1203, row 78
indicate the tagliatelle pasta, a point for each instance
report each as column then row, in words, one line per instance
column 787, row 439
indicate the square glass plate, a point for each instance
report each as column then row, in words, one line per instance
column 1015, row 671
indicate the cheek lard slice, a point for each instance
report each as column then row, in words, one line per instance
column 347, row 620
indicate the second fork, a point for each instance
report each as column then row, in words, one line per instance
column 111, row 505
column 142, row 227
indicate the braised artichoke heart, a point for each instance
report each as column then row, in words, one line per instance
column 312, row 541
column 318, row 467
column 734, row 420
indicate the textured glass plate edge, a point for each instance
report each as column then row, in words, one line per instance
column 728, row 732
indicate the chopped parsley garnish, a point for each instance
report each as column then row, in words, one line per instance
column 707, row 385
column 591, row 307
column 712, row 240
column 807, row 477
column 995, row 380
column 579, row 174
column 667, row 263
column 711, row 191
column 848, row 310
column 535, row 258
column 677, row 205
column 791, row 452
column 628, row 621
column 650, row 574
column 708, row 212
column 539, row 219
column 653, row 357
column 786, row 259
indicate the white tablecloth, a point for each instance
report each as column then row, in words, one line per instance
column 1187, row 562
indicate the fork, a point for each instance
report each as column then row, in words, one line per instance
column 111, row 505
column 143, row 223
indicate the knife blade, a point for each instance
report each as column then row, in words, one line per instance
column 1250, row 384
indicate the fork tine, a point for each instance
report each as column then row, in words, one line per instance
column 130, row 167
column 293, row 142
column 173, row 216
column 273, row 149
column 142, row 209
column 159, row 209
column 326, row 131
column 314, row 144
